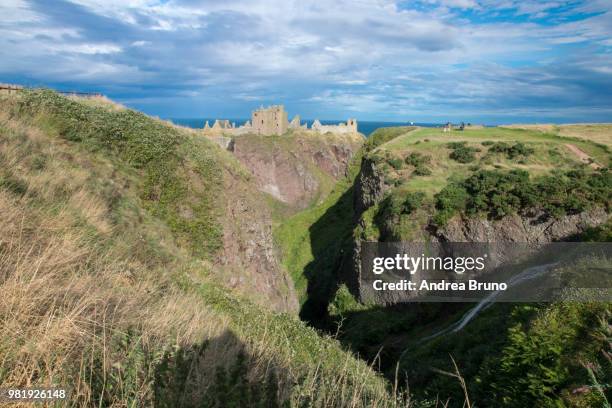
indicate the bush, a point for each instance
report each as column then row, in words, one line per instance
column 512, row 152
column 456, row 145
column 499, row 147
column 487, row 143
column 537, row 362
column 419, row 162
column 497, row 193
column 449, row 201
column 416, row 159
column 464, row 154
column 414, row 201
column 422, row 171
column 395, row 163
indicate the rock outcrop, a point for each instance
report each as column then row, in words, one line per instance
column 249, row 258
column 369, row 186
column 535, row 228
column 296, row 169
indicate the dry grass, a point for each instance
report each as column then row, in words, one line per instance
column 68, row 289
column 98, row 101
column 62, row 303
column 595, row 132
column 102, row 299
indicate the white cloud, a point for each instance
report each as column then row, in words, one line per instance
column 362, row 55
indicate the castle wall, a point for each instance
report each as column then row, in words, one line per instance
column 274, row 121
column 270, row 121
column 340, row 129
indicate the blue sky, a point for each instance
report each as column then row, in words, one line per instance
column 491, row 61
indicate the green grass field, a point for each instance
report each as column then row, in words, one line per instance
column 550, row 152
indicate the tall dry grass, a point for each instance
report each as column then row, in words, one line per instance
column 67, row 291
column 62, row 303
column 92, row 301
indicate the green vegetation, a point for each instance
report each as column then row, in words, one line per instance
column 461, row 152
column 109, row 202
column 419, row 162
column 518, row 355
column 497, row 194
column 123, row 303
column 512, row 152
column 513, row 355
column 504, row 150
column 383, row 135
column 315, row 241
column 164, row 156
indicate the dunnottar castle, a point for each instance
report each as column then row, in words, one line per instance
column 273, row 120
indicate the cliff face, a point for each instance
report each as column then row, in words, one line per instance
column 369, row 186
column 532, row 227
column 249, row 258
column 296, row 169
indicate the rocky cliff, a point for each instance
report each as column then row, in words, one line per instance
column 249, row 258
column 297, row 169
column 529, row 226
column 533, row 228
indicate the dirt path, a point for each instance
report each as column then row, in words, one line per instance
column 585, row 158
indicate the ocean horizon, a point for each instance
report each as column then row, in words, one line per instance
column 365, row 127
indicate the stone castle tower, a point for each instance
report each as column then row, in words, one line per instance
column 352, row 125
column 270, row 121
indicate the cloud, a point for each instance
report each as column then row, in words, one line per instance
column 377, row 58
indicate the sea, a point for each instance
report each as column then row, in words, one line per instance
column 365, row 127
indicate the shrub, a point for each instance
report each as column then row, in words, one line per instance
column 414, row 201
column 455, row 145
column 464, row 154
column 497, row 193
column 422, row 171
column 449, row 201
column 415, row 159
column 487, row 143
column 499, row 147
column 512, row 152
column 419, row 162
column 395, row 163
column 519, row 149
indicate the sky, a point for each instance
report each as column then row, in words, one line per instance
column 479, row 61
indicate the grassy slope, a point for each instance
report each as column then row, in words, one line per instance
column 432, row 142
column 117, row 212
column 549, row 153
column 493, row 356
column 326, row 226
column 594, row 132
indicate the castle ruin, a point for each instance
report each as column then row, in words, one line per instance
column 270, row 121
column 273, row 120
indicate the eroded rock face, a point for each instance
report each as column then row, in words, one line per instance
column 293, row 168
column 249, row 259
column 532, row 228
column 369, row 186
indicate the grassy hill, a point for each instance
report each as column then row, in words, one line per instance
column 137, row 267
column 594, row 132
column 513, row 355
column 426, row 163
column 112, row 229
